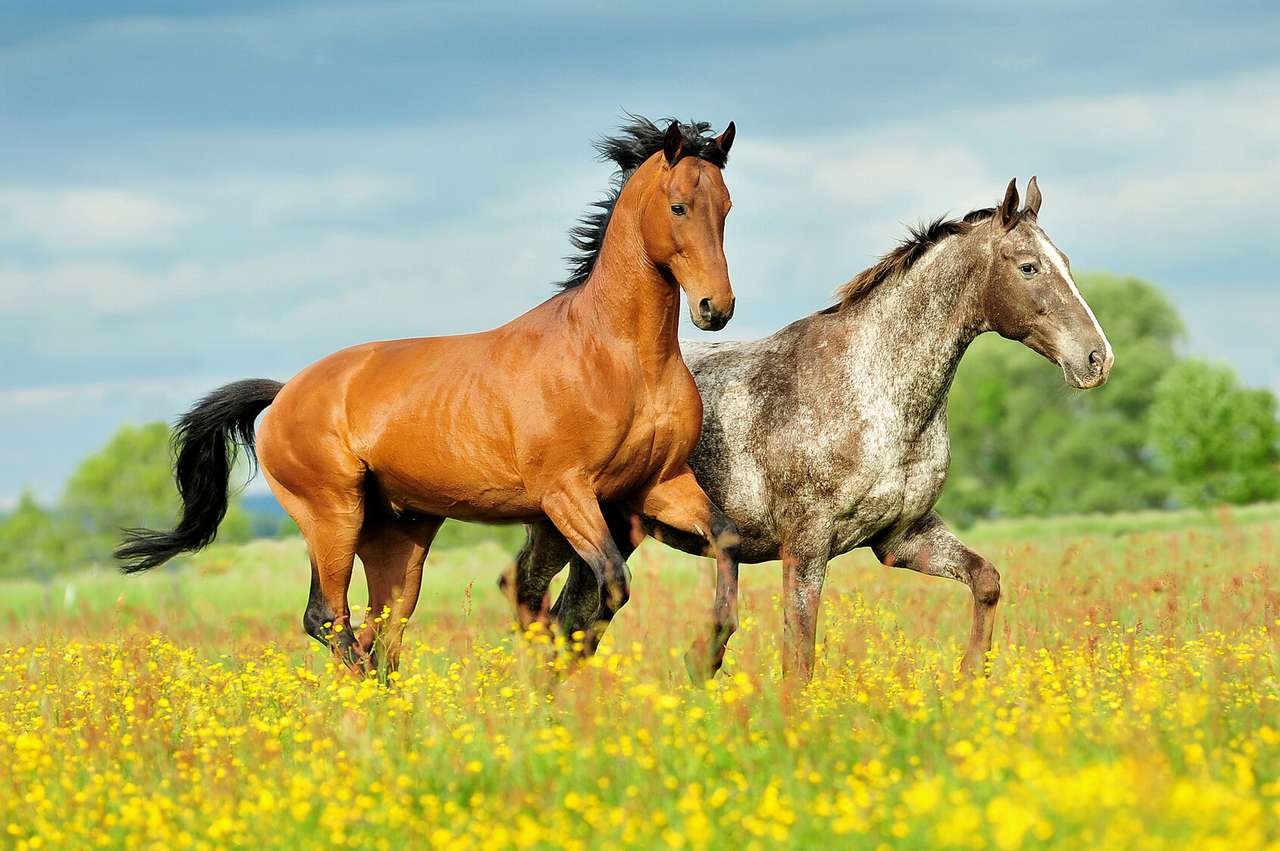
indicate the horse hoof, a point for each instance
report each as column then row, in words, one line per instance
column 699, row 669
column 972, row 670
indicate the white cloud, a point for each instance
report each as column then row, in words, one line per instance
column 1193, row 158
column 61, row 219
column 104, row 287
column 269, row 200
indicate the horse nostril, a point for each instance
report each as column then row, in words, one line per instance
column 705, row 310
column 1095, row 359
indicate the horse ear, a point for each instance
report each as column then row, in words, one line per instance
column 1008, row 210
column 1033, row 198
column 725, row 139
column 672, row 142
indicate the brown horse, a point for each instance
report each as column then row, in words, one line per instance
column 583, row 399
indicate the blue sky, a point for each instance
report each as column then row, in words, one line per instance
column 239, row 188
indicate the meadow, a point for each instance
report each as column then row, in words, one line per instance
column 1133, row 703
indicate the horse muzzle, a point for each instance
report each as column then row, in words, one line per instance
column 1090, row 370
column 710, row 317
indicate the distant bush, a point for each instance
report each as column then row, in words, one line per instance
column 32, row 540
column 1219, row 442
column 128, row 483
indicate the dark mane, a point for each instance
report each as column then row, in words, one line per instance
column 635, row 143
column 920, row 238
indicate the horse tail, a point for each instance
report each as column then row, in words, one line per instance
column 205, row 442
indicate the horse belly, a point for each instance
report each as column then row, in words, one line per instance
column 451, row 462
column 510, row 506
column 441, row 444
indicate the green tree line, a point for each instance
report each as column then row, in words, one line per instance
column 126, row 484
column 1165, row 431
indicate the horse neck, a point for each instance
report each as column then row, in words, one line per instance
column 912, row 331
column 627, row 296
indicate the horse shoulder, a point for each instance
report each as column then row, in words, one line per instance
column 731, row 459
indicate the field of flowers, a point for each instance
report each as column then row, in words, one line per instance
column 1134, row 703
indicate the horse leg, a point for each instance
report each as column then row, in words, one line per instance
column 324, row 495
column 408, row 541
column 580, row 596
column 578, row 601
column 331, row 536
column 317, row 613
column 931, row 548
column 544, row 553
column 802, row 578
column 680, row 502
column 392, row 550
column 576, row 513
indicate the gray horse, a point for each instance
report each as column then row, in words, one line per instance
column 832, row 433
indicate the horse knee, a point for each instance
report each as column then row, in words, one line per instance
column 985, row 580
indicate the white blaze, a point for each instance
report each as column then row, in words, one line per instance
column 1060, row 264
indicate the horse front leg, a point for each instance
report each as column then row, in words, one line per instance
column 680, row 502
column 803, row 574
column 931, row 548
column 579, row 599
column 576, row 513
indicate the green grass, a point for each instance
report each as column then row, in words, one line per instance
column 267, row 580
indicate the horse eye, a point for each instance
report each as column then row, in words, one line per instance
column 678, row 209
column 1027, row 269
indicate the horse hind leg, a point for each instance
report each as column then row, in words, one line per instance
column 681, row 504
column 543, row 555
column 392, row 551
column 317, row 620
column 931, row 548
column 328, row 617
column 330, row 523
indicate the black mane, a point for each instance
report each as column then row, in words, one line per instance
column 906, row 253
column 635, row 143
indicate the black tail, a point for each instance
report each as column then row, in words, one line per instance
column 205, row 442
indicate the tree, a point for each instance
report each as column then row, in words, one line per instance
column 31, row 542
column 1219, row 441
column 1025, row 443
column 129, row 483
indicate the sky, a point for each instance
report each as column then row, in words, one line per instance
column 237, row 189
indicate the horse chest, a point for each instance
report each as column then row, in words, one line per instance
column 658, row 438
